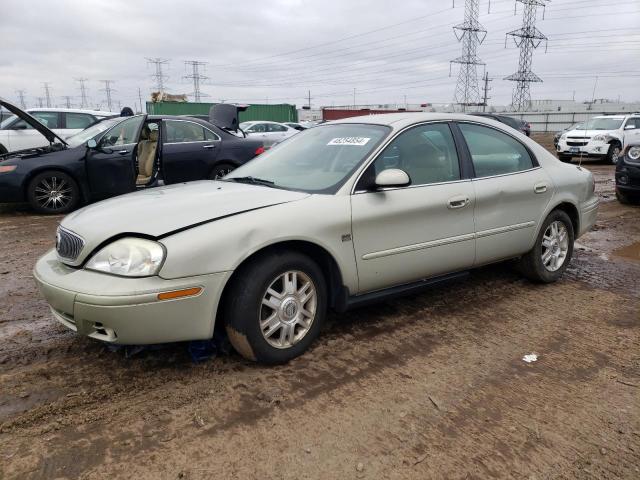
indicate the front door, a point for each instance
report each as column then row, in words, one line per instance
column 189, row 151
column 21, row 135
column 511, row 191
column 406, row 234
column 111, row 166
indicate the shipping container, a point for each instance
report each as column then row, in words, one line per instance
column 273, row 112
column 329, row 114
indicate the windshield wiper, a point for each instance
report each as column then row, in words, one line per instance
column 252, row 180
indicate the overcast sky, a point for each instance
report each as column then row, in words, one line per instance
column 275, row 51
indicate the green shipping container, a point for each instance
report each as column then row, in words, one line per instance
column 276, row 113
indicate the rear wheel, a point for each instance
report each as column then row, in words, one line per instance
column 275, row 307
column 614, row 153
column 549, row 257
column 53, row 192
column 221, row 170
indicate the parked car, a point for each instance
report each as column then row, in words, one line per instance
column 628, row 175
column 557, row 135
column 515, row 123
column 269, row 132
column 297, row 126
column 338, row 216
column 16, row 134
column 600, row 137
column 116, row 156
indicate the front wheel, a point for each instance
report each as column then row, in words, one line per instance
column 549, row 257
column 275, row 307
column 53, row 192
column 614, row 153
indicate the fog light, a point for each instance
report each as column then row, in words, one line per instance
column 623, row 179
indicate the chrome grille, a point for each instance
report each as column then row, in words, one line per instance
column 68, row 244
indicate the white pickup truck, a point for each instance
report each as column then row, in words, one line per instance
column 603, row 136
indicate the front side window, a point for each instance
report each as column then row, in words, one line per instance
column 274, row 127
column 124, row 133
column 427, row 153
column 318, row 160
column 78, row 120
column 257, row 128
column 632, row 123
column 48, row 119
column 181, row 132
column 494, row 152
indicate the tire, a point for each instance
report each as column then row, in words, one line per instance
column 626, row 199
column 614, row 153
column 3, row 149
column 53, row 192
column 532, row 264
column 220, row 170
column 294, row 322
column 565, row 158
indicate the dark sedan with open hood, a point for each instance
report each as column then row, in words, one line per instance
column 121, row 155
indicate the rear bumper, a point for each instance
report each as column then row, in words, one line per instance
column 588, row 215
column 127, row 310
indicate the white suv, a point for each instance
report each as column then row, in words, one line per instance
column 601, row 137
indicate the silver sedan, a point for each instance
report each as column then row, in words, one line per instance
column 337, row 216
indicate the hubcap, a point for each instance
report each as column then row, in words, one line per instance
column 615, row 154
column 53, row 193
column 555, row 245
column 288, row 309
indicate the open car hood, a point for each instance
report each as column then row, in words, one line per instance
column 46, row 132
column 225, row 115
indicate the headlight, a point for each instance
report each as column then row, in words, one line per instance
column 600, row 138
column 634, row 153
column 129, row 257
column 563, row 136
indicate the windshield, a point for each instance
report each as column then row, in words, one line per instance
column 318, row 160
column 603, row 123
column 93, row 131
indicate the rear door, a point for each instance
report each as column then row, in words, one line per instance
column 511, row 192
column 189, row 151
column 74, row 122
column 110, row 166
column 426, row 229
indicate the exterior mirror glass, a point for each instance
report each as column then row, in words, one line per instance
column 392, row 177
column 91, row 143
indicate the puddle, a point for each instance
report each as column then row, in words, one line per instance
column 630, row 251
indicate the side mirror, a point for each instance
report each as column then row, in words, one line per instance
column 392, row 177
column 91, row 143
column 629, row 127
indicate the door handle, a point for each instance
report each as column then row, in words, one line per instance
column 208, row 146
column 540, row 187
column 122, row 152
column 458, row 202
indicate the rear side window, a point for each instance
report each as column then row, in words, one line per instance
column 494, row 152
column 181, row 132
column 78, row 120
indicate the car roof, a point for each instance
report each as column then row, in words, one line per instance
column 400, row 120
column 101, row 113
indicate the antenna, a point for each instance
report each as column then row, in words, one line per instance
column 159, row 76
column 527, row 39
column 471, row 33
column 84, row 102
column 197, row 77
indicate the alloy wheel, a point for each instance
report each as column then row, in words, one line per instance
column 53, row 193
column 555, row 245
column 288, row 309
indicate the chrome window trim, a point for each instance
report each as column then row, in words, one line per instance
column 507, row 174
column 218, row 138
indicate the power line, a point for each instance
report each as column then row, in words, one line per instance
column 84, row 102
column 47, row 93
column 21, row 94
column 197, row 77
column 159, row 76
column 527, row 39
column 67, row 100
column 471, row 33
column 108, row 91
column 486, row 96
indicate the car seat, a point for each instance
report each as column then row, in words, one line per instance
column 147, row 148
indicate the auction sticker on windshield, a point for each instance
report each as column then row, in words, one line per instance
column 357, row 141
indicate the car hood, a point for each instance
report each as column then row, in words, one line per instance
column 587, row 133
column 48, row 134
column 163, row 211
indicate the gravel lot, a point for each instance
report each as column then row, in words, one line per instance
column 428, row 386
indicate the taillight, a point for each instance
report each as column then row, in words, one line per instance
column 259, row 150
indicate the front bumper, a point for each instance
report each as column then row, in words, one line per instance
column 591, row 149
column 127, row 310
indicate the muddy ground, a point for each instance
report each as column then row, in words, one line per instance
column 429, row 386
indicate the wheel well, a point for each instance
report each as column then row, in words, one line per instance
column 321, row 256
column 571, row 210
